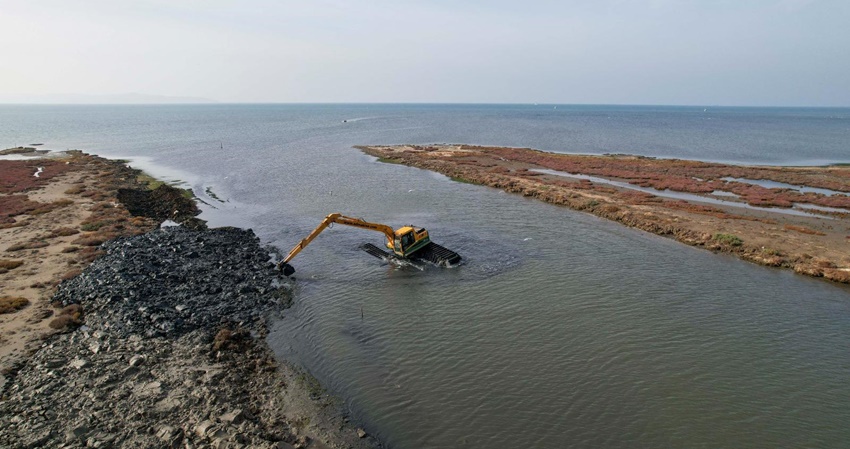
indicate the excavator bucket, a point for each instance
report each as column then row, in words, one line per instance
column 286, row 268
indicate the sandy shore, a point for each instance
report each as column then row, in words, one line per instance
column 116, row 333
column 798, row 219
column 50, row 227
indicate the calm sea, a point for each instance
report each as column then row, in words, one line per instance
column 561, row 330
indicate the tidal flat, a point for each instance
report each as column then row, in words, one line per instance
column 720, row 207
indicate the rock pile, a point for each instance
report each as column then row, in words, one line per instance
column 162, row 203
column 171, row 355
column 92, row 389
column 174, row 280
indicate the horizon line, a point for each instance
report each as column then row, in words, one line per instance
column 318, row 103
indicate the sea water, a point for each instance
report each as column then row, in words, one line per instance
column 561, row 329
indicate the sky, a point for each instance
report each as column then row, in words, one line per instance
column 678, row 52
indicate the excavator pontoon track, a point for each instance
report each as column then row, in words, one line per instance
column 432, row 252
column 375, row 251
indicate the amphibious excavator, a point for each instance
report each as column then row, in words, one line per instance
column 406, row 242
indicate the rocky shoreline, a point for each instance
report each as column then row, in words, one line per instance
column 162, row 344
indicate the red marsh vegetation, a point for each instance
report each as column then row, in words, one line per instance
column 808, row 244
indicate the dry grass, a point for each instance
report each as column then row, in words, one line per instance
column 227, row 339
column 71, row 274
column 14, row 224
column 69, row 317
column 8, row 264
column 64, row 232
column 12, row 205
column 803, row 230
column 221, row 338
column 837, row 275
column 32, row 244
column 16, row 247
column 50, row 207
column 90, row 240
column 823, row 263
column 10, row 304
column 62, row 322
column 89, row 254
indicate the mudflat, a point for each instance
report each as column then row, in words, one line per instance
column 790, row 217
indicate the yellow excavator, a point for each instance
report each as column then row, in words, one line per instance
column 406, row 242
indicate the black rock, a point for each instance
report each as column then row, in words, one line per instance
column 214, row 275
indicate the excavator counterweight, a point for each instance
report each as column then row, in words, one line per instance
column 406, row 242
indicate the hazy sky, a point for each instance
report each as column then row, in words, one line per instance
column 715, row 52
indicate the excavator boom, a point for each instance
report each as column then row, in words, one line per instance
column 339, row 218
column 405, row 242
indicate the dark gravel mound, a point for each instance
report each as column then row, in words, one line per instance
column 175, row 280
column 154, row 366
column 162, row 203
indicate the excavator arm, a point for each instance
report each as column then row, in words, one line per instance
column 406, row 242
column 330, row 219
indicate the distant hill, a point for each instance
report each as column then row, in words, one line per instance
column 128, row 98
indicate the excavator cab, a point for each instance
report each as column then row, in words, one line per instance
column 408, row 240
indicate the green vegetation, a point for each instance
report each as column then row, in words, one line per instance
column 154, row 184
column 728, row 239
column 89, row 227
column 17, row 150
